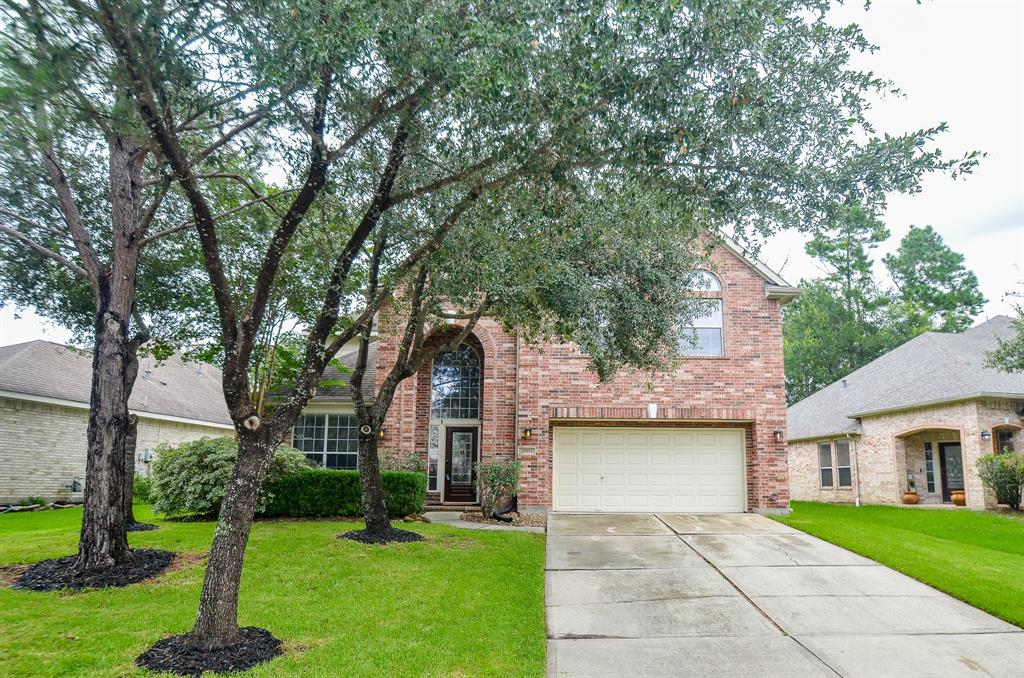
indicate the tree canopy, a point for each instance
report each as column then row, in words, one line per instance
column 846, row 319
column 410, row 138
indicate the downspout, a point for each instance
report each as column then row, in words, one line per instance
column 856, row 467
column 513, row 505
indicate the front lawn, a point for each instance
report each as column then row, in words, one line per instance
column 976, row 557
column 462, row 603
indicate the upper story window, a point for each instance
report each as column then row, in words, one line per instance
column 331, row 440
column 455, row 385
column 704, row 335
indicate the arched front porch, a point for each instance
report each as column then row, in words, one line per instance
column 931, row 460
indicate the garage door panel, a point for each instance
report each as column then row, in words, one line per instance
column 635, row 469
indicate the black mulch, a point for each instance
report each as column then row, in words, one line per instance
column 141, row 527
column 391, row 536
column 179, row 654
column 59, row 573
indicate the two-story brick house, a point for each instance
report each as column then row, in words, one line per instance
column 708, row 436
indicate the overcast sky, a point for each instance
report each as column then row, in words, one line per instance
column 957, row 61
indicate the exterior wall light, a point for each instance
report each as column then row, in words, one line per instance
column 527, row 433
column 778, row 435
column 381, row 433
column 986, row 435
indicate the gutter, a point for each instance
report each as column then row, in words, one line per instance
column 822, row 436
column 46, row 400
column 856, row 467
column 940, row 401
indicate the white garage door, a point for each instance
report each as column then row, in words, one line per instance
column 648, row 469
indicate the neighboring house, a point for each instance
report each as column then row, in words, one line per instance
column 707, row 436
column 926, row 410
column 44, row 412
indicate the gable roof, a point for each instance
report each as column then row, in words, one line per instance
column 776, row 286
column 42, row 370
column 931, row 368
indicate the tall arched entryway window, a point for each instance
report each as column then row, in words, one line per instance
column 455, row 378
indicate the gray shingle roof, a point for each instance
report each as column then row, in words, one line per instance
column 933, row 367
column 174, row 388
column 339, row 392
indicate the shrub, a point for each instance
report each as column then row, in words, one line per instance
column 1003, row 474
column 328, row 492
column 189, row 479
column 141, row 487
column 393, row 460
column 497, row 480
column 33, row 501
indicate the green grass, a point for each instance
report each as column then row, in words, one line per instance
column 976, row 557
column 462, row 603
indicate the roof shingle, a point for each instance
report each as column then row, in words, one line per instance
column 172, row 388
column 933, row 367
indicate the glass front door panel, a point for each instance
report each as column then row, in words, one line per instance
column 462, row 458
column 929, row 467
column 954, row 467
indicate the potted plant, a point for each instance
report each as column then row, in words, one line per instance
column 910, row 496
column 958, row 497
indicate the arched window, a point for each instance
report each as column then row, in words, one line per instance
column 455, row 385
column 703, row 335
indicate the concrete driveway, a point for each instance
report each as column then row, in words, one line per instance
column 741, row 595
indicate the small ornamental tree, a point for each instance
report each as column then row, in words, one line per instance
column 399, row 121
column 498, row 480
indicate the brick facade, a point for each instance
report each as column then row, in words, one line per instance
column 891, row 445
column 43, row 446
column 553, row 387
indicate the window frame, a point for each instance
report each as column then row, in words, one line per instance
column 931, row 476
column 436, row 412
column 839, row 467
column 714, row 291
column 329, row 446
column 831, row 468
column 1000, row 431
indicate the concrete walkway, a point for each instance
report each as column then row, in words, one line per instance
column 452, row 519
column 741, row 595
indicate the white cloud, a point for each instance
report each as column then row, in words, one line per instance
column 20, row 326
column 961, row 63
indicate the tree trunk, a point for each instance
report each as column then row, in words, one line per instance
column 375, row 507
column 130, row 440
column 217, row 620
column 103, row 541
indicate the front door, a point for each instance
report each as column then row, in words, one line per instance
column 952, row 466
column 460, row 464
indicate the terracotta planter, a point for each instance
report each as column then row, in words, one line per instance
column 910, row 497
column 958, row 497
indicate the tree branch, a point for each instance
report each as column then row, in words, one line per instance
column 44, row 251
column 217, row 217
column 69, row 209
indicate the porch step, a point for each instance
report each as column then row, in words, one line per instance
column 451, row 506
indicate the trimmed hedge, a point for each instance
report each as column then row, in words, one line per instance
column 328, row 492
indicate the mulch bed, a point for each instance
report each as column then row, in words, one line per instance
column 141, row 527
column 178, row 654
column 524, row 519
column 391, row 536
column 59, row 573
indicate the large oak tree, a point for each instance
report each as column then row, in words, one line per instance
column 748, row 113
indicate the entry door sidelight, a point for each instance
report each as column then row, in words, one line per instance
column 461, row 454
column 952, row 466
